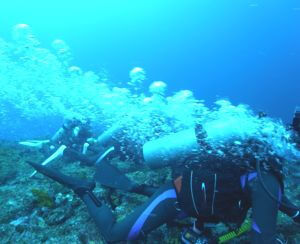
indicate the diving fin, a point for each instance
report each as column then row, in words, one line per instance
column 34, row 143
column 109, row 176
column 57, row 154
column 68, row 181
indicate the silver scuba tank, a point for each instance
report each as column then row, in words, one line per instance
column 107, row 135
column 173, row 148
column 177, row 147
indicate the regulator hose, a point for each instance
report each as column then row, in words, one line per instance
column 268, row 191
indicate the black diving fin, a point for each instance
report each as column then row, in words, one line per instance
column 109, row 176
column 68, row 181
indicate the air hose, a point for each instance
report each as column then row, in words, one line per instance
column 200, row 134
column 235, row 233
column 267, row 190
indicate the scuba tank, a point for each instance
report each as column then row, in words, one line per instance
column 174, row 148
column 177, row 147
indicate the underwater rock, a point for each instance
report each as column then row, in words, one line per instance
column 14, row 204
column 21, row 224
column 83, row 238
column 63, row 199
column 43, row 199
column 24, row 221
column 296, row 175
column 7, row 175
column 7, row 159
column 19, row 221
column 59, row 215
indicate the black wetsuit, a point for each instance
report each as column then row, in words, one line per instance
column 133, row 153
column 207, row 196
column 88, row 160
column 67, row 136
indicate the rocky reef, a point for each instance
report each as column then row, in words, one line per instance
column 38, row 210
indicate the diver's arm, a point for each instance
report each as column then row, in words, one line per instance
column 85, row 147
column 291, row 211
column 264, row 210
column 58, row 135
column 68, row 125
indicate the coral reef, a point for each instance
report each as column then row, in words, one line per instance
column 42, row 198
column 37, row 210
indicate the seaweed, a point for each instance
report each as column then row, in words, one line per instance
column 43, row 199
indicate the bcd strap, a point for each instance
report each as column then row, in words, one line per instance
column 178, row 184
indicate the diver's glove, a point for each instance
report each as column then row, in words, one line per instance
column 280, row 239
column 296, row 217
column 85, row 148
column 189, row 236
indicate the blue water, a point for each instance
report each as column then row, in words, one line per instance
column 245, row 51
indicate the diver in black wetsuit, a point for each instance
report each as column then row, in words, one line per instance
column 69, row 140
column 73, row 134
column 203, row 191
column 111, row 143
column 296, row 127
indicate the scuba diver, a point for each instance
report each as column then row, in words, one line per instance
column 111, row 143
column 211, row 190
column 296, row 120
column 296, row 126
column 68, row 140
column 73, row 133
column 127, row 148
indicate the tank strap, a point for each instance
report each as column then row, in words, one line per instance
column 178, row 184
column 192, row 193
column 214, row 194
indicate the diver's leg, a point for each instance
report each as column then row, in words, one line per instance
column 159, row 209
column 110, row 176
column 74, row 155
column 57, row 154
column 290, row 209
column 85, row 148
column 75, row 184
column 144, row 189
column 89, row 160
column 265, row 209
